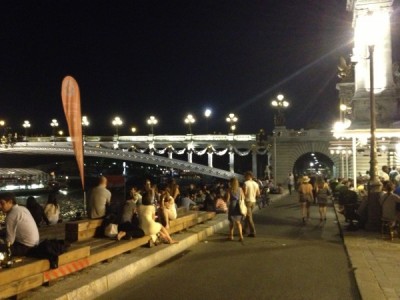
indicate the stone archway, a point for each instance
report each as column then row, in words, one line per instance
column 288, row 150
column 314, row 163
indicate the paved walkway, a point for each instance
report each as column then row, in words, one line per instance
column 375, row 261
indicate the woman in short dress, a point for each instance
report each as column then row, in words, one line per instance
column 147, row 219
column 234, row 214
column 323, row 193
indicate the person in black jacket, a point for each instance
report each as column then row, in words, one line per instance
column 36, row 210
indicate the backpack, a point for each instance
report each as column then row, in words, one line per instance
column 50, row 249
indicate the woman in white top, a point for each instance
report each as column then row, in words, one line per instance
column 147, row 219
column 52, row 210
column 168, row 208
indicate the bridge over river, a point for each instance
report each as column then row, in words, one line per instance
column 155, row 150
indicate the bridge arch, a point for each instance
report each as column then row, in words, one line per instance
column 125, row 155
column 314, row 163
column 290, row 155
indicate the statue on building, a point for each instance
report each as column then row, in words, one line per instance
column 345, row 70
column 396, row 74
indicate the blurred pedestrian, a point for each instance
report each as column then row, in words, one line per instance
column 251, row 191
column 290, row 182
column 306, row 197
column 234, row 215
column 323, row 193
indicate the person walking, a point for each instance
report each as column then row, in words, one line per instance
column 323, row 193
column 251, row 191
column 306, row 197
column 290, row 182
column 234, row 215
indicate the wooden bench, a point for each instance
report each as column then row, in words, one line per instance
column 32, row 272
column 189, row 219
column 84, row 252
column 82, row 229
column 85, row 229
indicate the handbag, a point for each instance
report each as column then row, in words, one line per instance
column 242, row 204
column 111, row 230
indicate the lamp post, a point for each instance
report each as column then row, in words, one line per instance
column 117, row 122
column 133, row 130
column 232, row 119
column 151, row 122
column 85, row 123
column 207, row 114
column 279, row 104
column 54, row 125
column 190, row 120
column 26, row 125
column 374, row 184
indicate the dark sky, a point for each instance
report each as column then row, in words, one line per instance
column 169, row 58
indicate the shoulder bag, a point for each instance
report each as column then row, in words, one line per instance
column 242, row 204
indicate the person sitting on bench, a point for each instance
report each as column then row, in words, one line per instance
column 21, row 228
column 148, row 223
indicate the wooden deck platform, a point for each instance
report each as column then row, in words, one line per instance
column 32, row 273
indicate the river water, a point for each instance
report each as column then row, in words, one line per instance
column 71, row 201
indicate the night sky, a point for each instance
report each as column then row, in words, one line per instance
column 170, row 58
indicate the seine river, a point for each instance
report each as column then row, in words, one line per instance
column 71, row 198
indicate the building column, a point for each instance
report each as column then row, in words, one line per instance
column 190, row 156
column 354, row 157
column 210, row 158
column 254, row 160
column 231, row 161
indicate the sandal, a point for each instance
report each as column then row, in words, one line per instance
column 230, row 238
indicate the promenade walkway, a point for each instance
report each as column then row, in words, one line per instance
column 375, row 263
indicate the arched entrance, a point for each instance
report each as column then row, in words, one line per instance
column 314, row 163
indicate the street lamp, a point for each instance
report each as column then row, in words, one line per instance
column 133, row 129
column 26, row 125
column 54, row 125
column 151, row 122
column 117, row 122
column 2, row 124
column 207, row 114
column 374, row 184
column 85, row 123
column 279, row 104
column 190, row 120
column 232, row 119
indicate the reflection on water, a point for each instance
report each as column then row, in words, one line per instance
column 69, row 199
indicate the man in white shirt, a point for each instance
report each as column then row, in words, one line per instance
column 21, row 228
column 251, row 192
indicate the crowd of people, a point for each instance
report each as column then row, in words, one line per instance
column 352, row 200
column 150, row 209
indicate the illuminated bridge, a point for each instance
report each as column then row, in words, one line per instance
column 155, row 150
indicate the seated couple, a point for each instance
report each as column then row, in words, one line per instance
column 147, row 223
